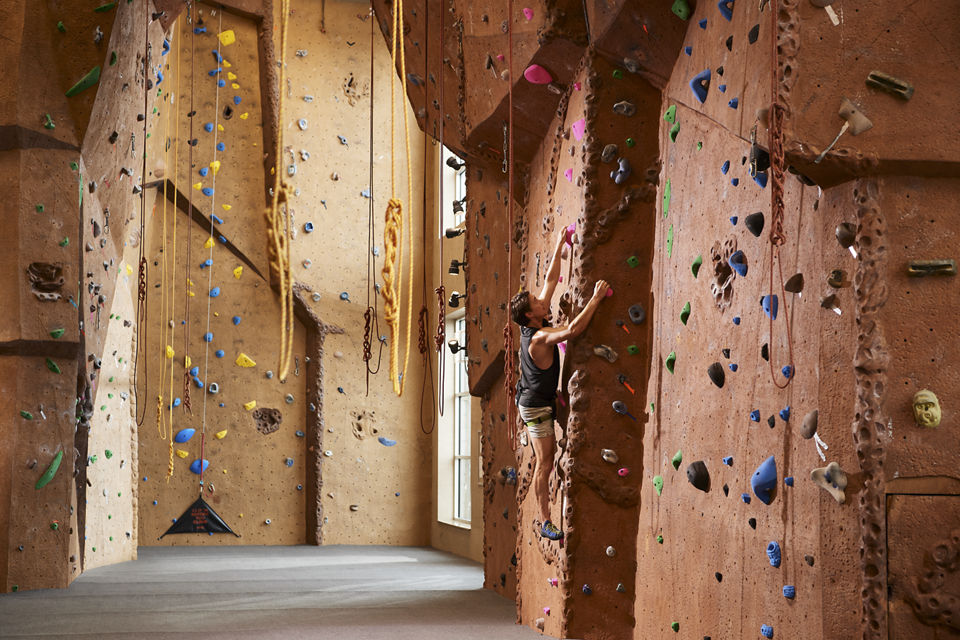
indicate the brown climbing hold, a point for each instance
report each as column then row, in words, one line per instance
column 810, row 424
column 46, row 280
column 267, row 420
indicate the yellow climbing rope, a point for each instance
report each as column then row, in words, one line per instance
column 278, row 216
column 393, row 228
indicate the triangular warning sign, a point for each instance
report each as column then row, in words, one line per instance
column 199, row 518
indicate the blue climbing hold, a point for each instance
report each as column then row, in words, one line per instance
column 734, row 220
column 204, row 171
column 701, row 82
column 159, row 77
column 728, row 460
column 764, row 480
column 236, row 320
column 788, row 481
column 184, row 435
column 299, row 433
column 222, row 405
column 738, row 262
column 587, row 590
column 340, row 390
column 222, row 239
column 688, row 50
column 217, row 56
column 237, row 99
column 206, row 263
column 221, row 146
column 166, row 47
column 345, row 296
column 735, row 182
column 733, row 103
column 733, row 366
column 785, row 413
column 214, row 292
column 198, row 382
column 154, row 503
column 789, row 591
column 214, row 72
column 221, row 83
column 745, row 497
column 198, row 466
column 216, row 218
column 207, row 191
column 726, row 9
column 761, row 179
column 308, row 227
column 725, row 167
column 703, row 23
column 755, row 415
column 219, row 353
column 766, row 631
column 773, row 553
column 722, row 88
column 208, row 127
column 736, row 320
column 199, row 30
column 208, row 337
column 288, row 462
column 387, row 442
column 194, row 371
column 787, row 371
column 770, row 306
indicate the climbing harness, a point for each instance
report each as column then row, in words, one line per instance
column 509, row 348
column 394, row 222
column 777, row 236
column 278, row 215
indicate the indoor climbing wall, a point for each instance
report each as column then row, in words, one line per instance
column 70, row 501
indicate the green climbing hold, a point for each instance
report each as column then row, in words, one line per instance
column 670, row 242
column 695, row 267
column 699, row 146
column 667, row 191
column 54, row 525
column 65, row 241
column 671, row 360
column 633, row 349
column 630, row 142
column 685, row 313
column 674, row 130
column 658, row 484
column 57, row 333
column 26, row 415
column 633, row 261
column 670, row 115
column 48, row 123
column 108, row 453
column 651, row 408
column 87, row 81
column 681, row 9
column 660, row 539
column 618, row 74
column 105, row 7
column 60, row 27
column 74, row 166
column 677, row 459
column 674, row 625
column 53, row 366
column 14, row 588
column 39, row 208
column 113, row 58
column 92, row 459
column 94, row 549
column 50, row 472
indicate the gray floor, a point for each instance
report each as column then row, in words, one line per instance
column 342, row 593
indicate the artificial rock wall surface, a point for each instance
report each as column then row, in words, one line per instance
column 650, row 553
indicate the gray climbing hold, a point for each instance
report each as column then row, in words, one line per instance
column 302, row 123
column 609, row 153
column 625, row 108
column 606, row 352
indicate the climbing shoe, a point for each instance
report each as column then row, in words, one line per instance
column 549, row 530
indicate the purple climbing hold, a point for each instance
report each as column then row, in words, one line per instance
column 701, row 82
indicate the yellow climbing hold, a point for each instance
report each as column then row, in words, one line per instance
column 244, row 115
column 208, row 244
column 187, row 361
column 235, row 85
column 189, row 282
column 238, row 272
column 219, row 435
column 215, row 165
column 219, row 128
column 198, row 186
column 250, row 406
column 243, row 360
column 182, row 453
column 231, row 75
column 227, row 37
column 226, row 64
column 191, row 294
column 227, row 207
column 169, row 352
column 216, row 314
column 129, row 270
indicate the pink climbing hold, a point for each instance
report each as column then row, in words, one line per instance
column 528, row 13
column 578, row 128
column 623, row 472
column 568, row 174
column 500, row 57
column 609, row 292
column 536, row 74
column 577, row 85
column 572, row 229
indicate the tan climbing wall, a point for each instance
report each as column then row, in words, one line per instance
column 329, row 89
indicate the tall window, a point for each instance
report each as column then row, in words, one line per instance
column 454, row 190
column 461, row 424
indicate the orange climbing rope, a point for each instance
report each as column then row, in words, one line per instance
column 394, row 221
column 777, row 236
column 509, row 349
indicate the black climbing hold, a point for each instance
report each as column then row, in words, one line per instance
column 794, row 284
column 717, row 376
column 772, row 421
column 759, row 159
column 765, row 352
column 726, row 490
column 846, row 234
column 720, row 70
column 513, row 559
column 718, row 576
column 753, row 34
column 637, row 314
column 503, row 579
column 698, row 475
column 754, row 223
column 227, row 112
column 113, row 137
column 752, row 522
column 729, row 43
column 192, row 113
column 725, row 352
column 808, row 559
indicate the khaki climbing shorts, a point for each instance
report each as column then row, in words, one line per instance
column 539, row 421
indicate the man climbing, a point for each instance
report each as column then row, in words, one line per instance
column 540, row 375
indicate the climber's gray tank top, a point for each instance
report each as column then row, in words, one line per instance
column 538, row 387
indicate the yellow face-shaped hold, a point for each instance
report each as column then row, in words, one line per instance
column 926, row 409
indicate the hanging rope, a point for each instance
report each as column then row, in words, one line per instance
column 278, row 215
column 777, row 236
column 371, row 320
column 509, row 350
column 142, row 266
column 187, row 282
column 441, row 336
column 172, row 107
column 424, row 317
column 394, row 221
